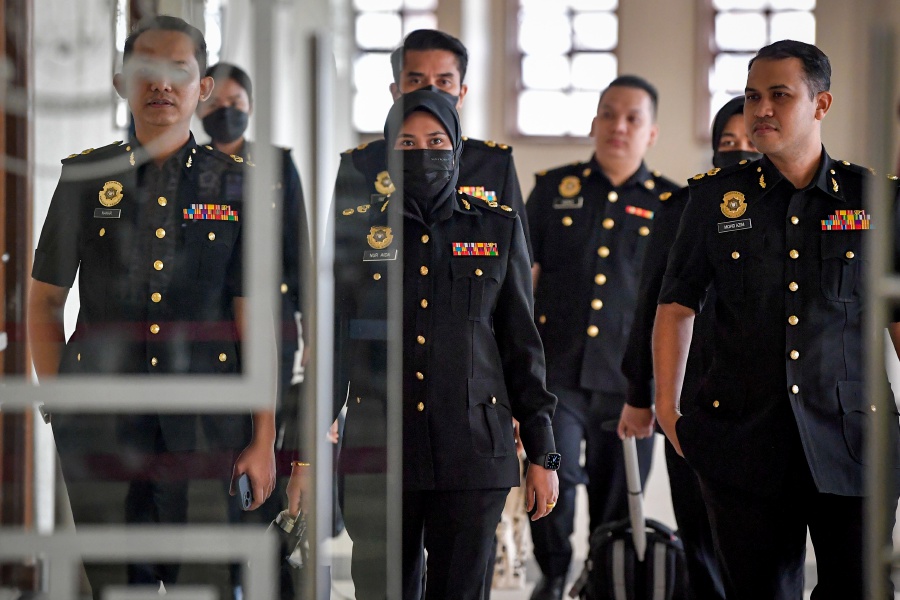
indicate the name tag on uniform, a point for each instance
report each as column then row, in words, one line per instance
column 107, row 213
column 373, row 255
column 568, row 203
column 730, row 226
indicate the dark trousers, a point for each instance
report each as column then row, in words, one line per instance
column 580, row 415
column 693, row 527
column 761, row 541
column 109, row 484
column 455, row 527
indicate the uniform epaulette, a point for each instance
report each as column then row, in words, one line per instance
column 377, row 204
column 227, row 158
column 487, row 144
column 468, row 201
column 717, row 172
column 849, row 166
column 570, row 169
column 94, row 153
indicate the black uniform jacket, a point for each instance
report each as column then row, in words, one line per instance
column 637, row 364
column 788, row 267
column 589, row 238
column 472, row 358
column 157, row 275
column 486, row 168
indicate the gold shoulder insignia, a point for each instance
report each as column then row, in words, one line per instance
column 208, row 147
column 657, row 174
column 665, row 196
column 348, row 211
column 586, row 172
column 72, row 156
column 872, row 171
column 506, row 208
column 743, row 162
column 845, row 163
column 490, row 143
column 713, row 171
column 362, row 146
column 88, row 151
column 893, row 177
column 539, row 173
column 699, row 176
column 503, row 146
column 465, row 138
column 347, row 151
column 237, row 158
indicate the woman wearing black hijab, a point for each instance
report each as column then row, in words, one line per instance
column 472, row 360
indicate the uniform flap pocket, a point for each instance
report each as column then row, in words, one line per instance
column 851, row 397
column 736, row 247
column 213, row 232
column 843, row 245
column 488, row 391
column 476, row 267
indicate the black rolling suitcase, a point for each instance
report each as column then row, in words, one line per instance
column 633, row 559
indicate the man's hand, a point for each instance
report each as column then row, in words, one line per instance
column 258, row 462
column 541, row 488
column 667, row 422
column 636, row 422
column 297, row 489
column 520, row 448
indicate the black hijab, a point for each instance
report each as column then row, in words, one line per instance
column 721, row 159
column 429, row 176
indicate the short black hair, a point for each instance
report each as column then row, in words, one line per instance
column 169, row 23
column 223, row 70
column 816, row 66
column 633, row 81
column 430, row 39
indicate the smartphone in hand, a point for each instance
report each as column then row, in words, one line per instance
column 245, row 491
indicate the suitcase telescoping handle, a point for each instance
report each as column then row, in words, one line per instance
column 635, row 498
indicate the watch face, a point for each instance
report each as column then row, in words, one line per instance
column 552, row 461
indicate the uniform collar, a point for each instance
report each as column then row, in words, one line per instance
column 639, row 177
column 142, row 157
column 826, row 178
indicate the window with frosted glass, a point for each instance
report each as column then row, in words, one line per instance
column 740, row 28
column 380, row 26
column 566, row 56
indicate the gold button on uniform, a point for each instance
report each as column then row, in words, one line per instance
column 849, row 254
column 78, row 357
column 542, row 319
column 211, row 236
column 794, row 355
column 644, row 231
column 603, row 251
column 793, row 286
column 795, row 220
column 284, row 288
column 222, row 357
column 793, row 320
column 162, row 201
column 608, row 223
column 600, row 279
column 795, row 389
column 423, row 270
column 160, row 233
column 493, row 399
column 153, row 361
column 425, row 239
column 593, row 330
column 102, row 231
column 478, row 272
column 715, row 404
column 596, row 304
column 376, row 276
column 423, row 303
column 154, row 329
column 566, row 221
column 874, row 408
column 420, row 376
column 794, row 254
column 158, row 265
column 735, row 255
column 420, row 406
column 421, row 339
column 612, row 196
column 156, row 296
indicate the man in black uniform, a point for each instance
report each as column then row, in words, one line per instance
column 225, row 116
column 154, row 229
column 731, row 145
column 777, row 433
column 472, row 360
column 486, row 171
column 590, row 224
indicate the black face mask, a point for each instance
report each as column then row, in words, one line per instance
column 427, row 175
column 722, row 159
column 226, row 124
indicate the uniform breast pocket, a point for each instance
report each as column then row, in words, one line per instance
column 475, row 285
column 216, row 240
column 841, row 265
column 490, row 418
column 736, row 257
column 635, row 235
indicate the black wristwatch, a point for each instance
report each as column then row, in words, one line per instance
column 549, row 461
